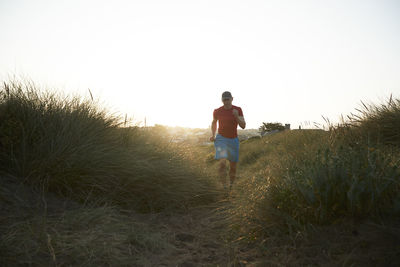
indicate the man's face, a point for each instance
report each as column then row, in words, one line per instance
column 227, row 100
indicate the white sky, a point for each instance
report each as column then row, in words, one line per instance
column 283, row 61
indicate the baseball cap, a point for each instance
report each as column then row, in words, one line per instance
column 226, row 94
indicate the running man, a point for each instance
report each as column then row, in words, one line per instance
column 226, row 142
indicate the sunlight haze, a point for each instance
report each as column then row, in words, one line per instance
column 169, row 61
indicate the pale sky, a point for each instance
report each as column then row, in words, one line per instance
column 169, row 61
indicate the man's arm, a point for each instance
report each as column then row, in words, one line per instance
column 240, row 119
column 213, row 129
column 241, row 122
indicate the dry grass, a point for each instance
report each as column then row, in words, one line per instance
column 77, row 188
column 69, row 174
column 304, row 195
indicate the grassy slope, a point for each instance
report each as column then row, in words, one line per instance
column 69, row 175
column 73, row 182
column 323, row 197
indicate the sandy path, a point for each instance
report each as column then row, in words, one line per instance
column 200, row 238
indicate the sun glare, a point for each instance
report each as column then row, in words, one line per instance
column 169, row 63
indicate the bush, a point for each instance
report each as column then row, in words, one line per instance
column 271, row 126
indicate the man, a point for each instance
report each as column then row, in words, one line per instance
column 226, row 142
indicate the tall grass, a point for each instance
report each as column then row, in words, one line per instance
column 73, row 147
column 71, row 176
column 87, row 236
column 378, row 124
column 302, row 177
column 86, row 170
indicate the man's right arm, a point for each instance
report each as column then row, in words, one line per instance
column 213, row 129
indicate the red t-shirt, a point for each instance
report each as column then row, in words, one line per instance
column 227, row 124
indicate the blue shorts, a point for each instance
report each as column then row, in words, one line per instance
column 226, row 148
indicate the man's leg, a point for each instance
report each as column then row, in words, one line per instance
column 222, row 171
column 232, row 171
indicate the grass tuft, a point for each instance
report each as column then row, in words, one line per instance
column 315, row 177
column 72, row 147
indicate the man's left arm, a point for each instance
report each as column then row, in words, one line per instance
column 238, row 114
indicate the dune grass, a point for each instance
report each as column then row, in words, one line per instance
column 97, row 236
column 71, row 176
column 319, row 177
column 377, row 124
column 72, row 147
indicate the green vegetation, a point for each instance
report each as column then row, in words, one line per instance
column 271, row 126
column 316, row 182
column 74, row 149
column 78, row 188
column 294, row 181
column 55, row 150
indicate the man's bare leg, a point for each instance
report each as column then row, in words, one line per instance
column 222, row 171
column 232, row 172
